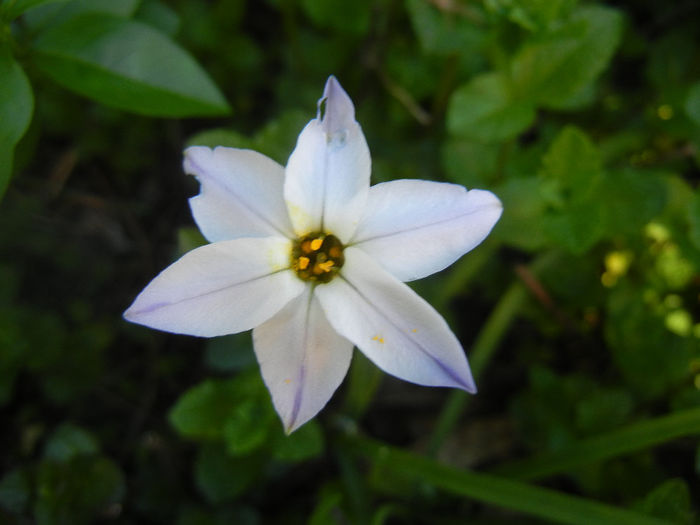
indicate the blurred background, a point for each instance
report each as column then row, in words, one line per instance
column 580, row 314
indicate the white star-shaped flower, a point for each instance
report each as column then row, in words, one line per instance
column 312, row 259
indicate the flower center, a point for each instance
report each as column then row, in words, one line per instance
column 317, row 257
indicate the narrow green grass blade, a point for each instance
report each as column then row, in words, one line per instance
column 514, row 495
column 624, row 441
column 486, row 344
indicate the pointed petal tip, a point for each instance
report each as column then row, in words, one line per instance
column 339, row 112
column 192, row 157
column 131, row 313
column 462, row 380
column 291, row 426
column 469, row 387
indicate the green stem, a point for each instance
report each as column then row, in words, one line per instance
column 632, row 438
column 353, row 485
column 365, row 378
column 490, row 336
column 463, row 273
column 514, row 495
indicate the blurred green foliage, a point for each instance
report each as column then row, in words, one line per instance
column 583, row 307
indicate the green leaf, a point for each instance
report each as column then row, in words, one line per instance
column 275, row 139
column 579, row 226
column 159, row 15
column 548, row 72
column 57, row 12
column 443, row 32
column 304, row 443
column 127, row 65
column 651, row 358
column 16, row 108
column 692, row 103
column 484, row 110
column 535, row 501
column 78, row 491
column 470, row 163
column 215, row 408
column 248, row 425
column 572, row 158
column 571, row 168
column 630, row 199
column 533, row 15
column 201, row 412
column 670, row 501
column 221, row 477
column 69, row 441
column 20, row 6
column 627, row 440
column 521, row 225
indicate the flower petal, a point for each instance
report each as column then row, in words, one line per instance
column 392, row 325
column 414, row 228
column 327, row 176
column 303, row 360
column 220, row 288
column 241, row 193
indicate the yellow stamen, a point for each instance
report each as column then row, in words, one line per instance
column 326, row 266
column 306, row 246
column 316, row 244
column 322, row 267
column 303, row 263
column 335, row 252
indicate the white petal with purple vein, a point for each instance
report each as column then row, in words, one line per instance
column 221, row 288
column 327, row 175
column 400, row 332
column 241, row 193
column 414, row 228
column 303, row 360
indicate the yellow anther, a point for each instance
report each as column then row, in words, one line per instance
column 335, row 252
column 287, row 381
column 316, row 244
column 414, row 330
column 380, row 340
column 326, row 266
column 322, row 267
column 303, row 263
